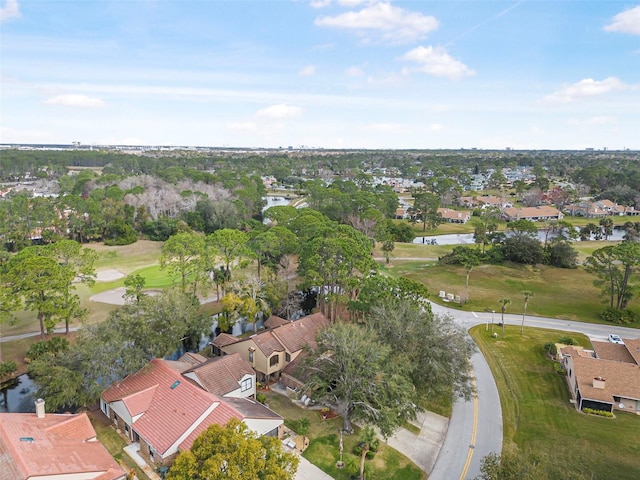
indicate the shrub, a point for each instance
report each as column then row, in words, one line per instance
column 600, row 413
column 7, row 368
column 300, row 426
column 559, row 368
column 622, row 317
column 53, row 347
column 550, row 348
column 567, row 341
column 261, row 397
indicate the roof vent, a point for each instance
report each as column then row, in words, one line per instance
column 27, row 439
column 175, row 384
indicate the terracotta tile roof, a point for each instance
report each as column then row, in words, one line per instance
column 274, row 321
column 175, row 405
column 621, row 379
column 60, row 445
column 267, row 342
column 139, row 402
column 224, row 339
column 295, row 335
column 531, row 212
column 222, row 375
column 612, row 351
column 454, row 214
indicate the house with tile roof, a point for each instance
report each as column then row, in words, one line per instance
column 599, row 209
column 270, row 351
column 454, row 216
column 533, row 214
column 229, row 376
column 164, row 411
column 53, row 447
column 607, row 378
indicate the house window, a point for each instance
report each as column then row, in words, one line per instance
column 287, row 357
column 251, row 356
column 246, row 384
column 275, row 360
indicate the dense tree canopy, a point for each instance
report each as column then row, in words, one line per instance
column 232, row 452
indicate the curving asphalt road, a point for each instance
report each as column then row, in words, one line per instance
column 475, row 427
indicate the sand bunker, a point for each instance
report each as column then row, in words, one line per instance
column 109, row 275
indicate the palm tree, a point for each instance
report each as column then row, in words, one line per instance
column 607, row 227
column 527, row 295
column 503, row 305
column 367, row 440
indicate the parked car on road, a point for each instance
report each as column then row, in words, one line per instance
column 613, row 338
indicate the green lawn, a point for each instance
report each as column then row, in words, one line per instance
column 538, row 418
column 557, row 292
column 114, row 444
column 323, row 450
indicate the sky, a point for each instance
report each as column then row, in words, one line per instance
column 548, row 74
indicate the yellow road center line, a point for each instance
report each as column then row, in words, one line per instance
column 474, row 431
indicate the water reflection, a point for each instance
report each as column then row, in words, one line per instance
column 16, row 396
column 467, row 238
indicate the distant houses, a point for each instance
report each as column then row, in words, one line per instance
column 533, row 214
column 599, row 209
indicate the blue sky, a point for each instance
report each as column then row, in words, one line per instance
column 324, row 73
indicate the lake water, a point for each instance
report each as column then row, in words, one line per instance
column 16, row 396
column 467, row 238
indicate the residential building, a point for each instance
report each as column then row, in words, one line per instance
column 607, row 378
column 455, row 216
column 599, row 209
column 164, row 411
column 534, row 214
column 270, row 351
column 53, row 447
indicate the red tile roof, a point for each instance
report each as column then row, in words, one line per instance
column 222, row 375
column 220, row 416
column 53, row 445
column 175, row 405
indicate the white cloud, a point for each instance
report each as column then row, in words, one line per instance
column 344, row 3
column 587, row 88
column 279, row 111
column 383, row 22
column 75, row 100
column 626, row 22
column 10, row 10
column 437, row 62
column 354, row 72
column 308, row 71
column 593, row 121
column 320, row 3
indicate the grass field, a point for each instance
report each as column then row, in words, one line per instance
column 538, row 418
column 559, row 293
column 323, row 450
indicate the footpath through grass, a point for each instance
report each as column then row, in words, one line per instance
column 538, row 418
column 323, row 450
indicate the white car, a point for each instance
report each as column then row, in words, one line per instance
column 613, row 338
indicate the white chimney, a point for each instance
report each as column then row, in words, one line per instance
column 40, row 408
column 599, row 382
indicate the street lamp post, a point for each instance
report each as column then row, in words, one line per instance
column 492, row 312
